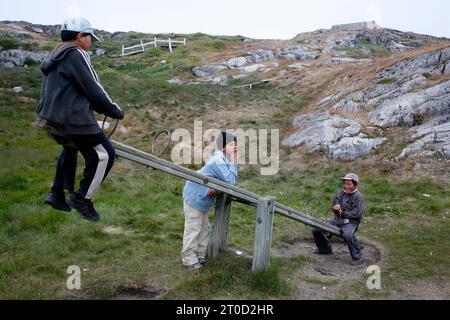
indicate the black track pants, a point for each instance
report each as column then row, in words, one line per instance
column 99, row 156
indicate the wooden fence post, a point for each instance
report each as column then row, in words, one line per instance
column 170, row 45
column 263, row 233
column 219, row 232
column 156, row 45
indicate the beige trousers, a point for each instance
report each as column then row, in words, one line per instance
column 196, row 235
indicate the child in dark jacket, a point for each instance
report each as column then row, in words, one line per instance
column 71, row 91
column 348, row 207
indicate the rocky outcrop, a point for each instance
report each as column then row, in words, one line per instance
column 100, row 52
column 402, row 110
column 236, row 62
column 260, row 56
column 175, row 80
column 346, row 60
column 240, row 63
column 22, row 30
column 403, row 95
column 431, row 138
column 18, row 58
column 434, row 62
column 297, row 52
column 393, row 40
column 402, row 78
column 252, row 68
column 222, row 80
column 299, row 66
column 207, row 70
column 340, row 138
column 255, row 58
column 341, row 41
column 351, row 148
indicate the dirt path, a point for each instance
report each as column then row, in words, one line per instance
column 146, row 292
column 332, row 276
column 325, row 276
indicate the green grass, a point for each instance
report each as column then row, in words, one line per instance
column 37, row 244
column 228, row 276
column 9, row 43
column 387, row 80
column 357, row 51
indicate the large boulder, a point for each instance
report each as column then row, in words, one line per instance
column 252, row 68
column 351, row 148
column 334, row 41
column 340, row 138
column 260, row 56
column 299, row 66
column 207, row 70
column 222, row 80
column 175, row 80
column 100, row 52
column 236, row 62
column 320, row 131
column 18, row 58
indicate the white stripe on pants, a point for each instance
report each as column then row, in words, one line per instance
column 196, row 235
column 103, row 159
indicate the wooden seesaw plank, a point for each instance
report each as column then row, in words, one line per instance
column 239, row 194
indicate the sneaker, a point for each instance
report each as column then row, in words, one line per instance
column 317, row 251
column 195, row 266
column 57, row 201
column 358, row 262
column 202, row 261
column 85, row 208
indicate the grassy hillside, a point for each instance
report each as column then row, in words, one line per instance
column 135, row 248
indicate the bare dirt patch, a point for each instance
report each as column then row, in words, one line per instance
column 149, row 292
column 326, row 275
column 115, row 230
column 424, row 289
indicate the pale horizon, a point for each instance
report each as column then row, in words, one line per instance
column 263, row 19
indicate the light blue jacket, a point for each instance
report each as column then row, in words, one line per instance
column 219, row 167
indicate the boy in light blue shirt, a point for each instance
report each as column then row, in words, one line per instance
column 199, row 199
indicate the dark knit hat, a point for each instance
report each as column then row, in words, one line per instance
column 225, row 138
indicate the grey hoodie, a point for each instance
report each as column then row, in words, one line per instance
column 71, row 90
column 352, row 204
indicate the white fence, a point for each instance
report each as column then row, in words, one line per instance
column 142, row 46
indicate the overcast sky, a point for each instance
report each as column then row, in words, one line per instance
column 264, row 19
